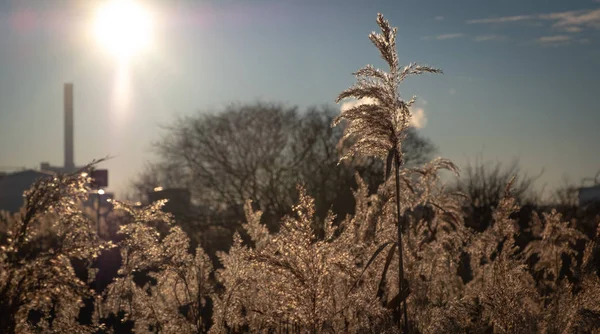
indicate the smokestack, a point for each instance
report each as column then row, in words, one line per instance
column 69, row 163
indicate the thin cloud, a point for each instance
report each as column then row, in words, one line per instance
column 486, row 38
column 573, row 29
column 440, row 18
column 554, row 39
column 449, row 36
column 586, row 18
column 504, row 19
column 572, row 21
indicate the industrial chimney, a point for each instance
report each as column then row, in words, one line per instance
column 69, row 161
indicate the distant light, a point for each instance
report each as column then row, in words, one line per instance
column 100, row 191
column 158, row 189
column 84, row 174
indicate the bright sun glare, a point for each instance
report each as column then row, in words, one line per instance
column 123, row 27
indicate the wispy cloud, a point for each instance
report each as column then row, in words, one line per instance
column 555, row 40
column 571, row 21
column 504, row 19
column 573, row 29
column 440, row 18
column 486, row 38
column 449, row 36
column 585, row 18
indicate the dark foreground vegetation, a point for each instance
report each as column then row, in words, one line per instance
column 377, row 244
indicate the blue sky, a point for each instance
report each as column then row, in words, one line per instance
column 521, row 77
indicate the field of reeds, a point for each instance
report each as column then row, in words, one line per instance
column 405, row 260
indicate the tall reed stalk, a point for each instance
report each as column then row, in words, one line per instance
column 377, row 123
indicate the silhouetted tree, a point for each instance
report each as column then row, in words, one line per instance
column 260, row 151
column 484, row 183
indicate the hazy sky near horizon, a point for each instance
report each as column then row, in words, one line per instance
column 521, row 78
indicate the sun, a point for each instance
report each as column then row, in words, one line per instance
column 123, row 28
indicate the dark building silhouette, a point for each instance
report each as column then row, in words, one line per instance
column 179, row 200
column 588, row 195
column 13, row 185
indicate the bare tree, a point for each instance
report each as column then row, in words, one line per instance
column 566, row 194
column 484, row 183
column 246, row 151
column 566, row 201
column 157, row 174
column 261, row 151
